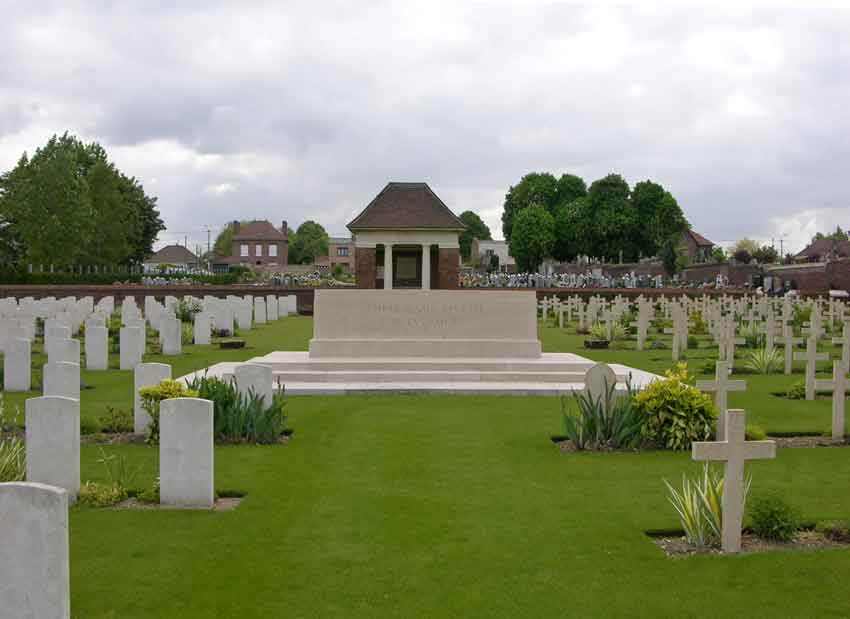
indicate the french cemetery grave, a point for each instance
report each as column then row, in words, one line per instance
column 706, row 425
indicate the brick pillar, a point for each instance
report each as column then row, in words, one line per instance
column 447, row 268
column 365, row 266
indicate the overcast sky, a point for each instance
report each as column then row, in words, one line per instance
column 305, row 112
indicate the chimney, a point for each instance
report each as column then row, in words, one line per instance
column 283, row 228
column 235, row 227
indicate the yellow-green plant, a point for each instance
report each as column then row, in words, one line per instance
column 763, row 361
column 674, row 413
column 100, row 495
column 699, row 505
column 152, row 396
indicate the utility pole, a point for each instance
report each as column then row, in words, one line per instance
column 781, row 250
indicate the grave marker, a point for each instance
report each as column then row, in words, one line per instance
column 721, row 386
column 839, row 385
column 53, row 442
column 733, row 452
column 34, row 551
column 186, row 452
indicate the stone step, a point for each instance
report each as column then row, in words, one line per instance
column 421, row 376
column 423, row 365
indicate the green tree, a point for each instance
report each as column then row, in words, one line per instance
column 311, row 241
column 534, row 237
column 746, row 245
column 533, row 188
column 658, row 217
column 838, row 235
column 68, row 205
column 766, row 255
column 223, row 245
column 475, row 229
column 718, row 254
column 613, row 219
column 570, row 188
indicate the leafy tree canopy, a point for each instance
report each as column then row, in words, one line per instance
column 68, row 204
column 747, row 245
column 607, row 220
column 310, row 242
column 837, row 235
column 534, row 237
column 475, row 229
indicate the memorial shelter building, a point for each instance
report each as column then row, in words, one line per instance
column 407, row 238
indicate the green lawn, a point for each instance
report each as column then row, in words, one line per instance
column 438, row 506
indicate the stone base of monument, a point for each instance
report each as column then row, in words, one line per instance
column 431, row 341
column 550, row 374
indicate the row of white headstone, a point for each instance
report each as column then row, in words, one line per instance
column 34, row 541
column 61, row 347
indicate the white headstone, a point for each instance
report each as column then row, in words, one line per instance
column 129, row 349
column 202, row 329
column 186, row 453
column 17, row 373
column 171, row 330
column 260, row 311
column 34, row 551
column 64, row 350
column 292, row 304
column 271, row 307
column 146, row 375
column 242, row 311
column 256, row 379
column 97, row 347
column 53, row 442
column 598, row 381
column 61, row 379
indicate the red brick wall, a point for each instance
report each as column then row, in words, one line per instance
column 448, row 262
column 365, row 262
column 838, row 274
column 737, row 274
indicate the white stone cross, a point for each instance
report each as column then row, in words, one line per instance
column 721, row 386
column 789, row 341
column 811, row 357
column 844, row 342
column 839, row 385
column 733, row 452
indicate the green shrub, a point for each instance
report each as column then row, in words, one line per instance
column 700, row 326
column 801, row 315
column 771, row 517
column 100, row 495
column 836, row 530
column 755, row 433
column 598, row 332
column 89, row 424
column 763, row 361
column 186, row 310
column 673, row 413
column 797, row 391
column 753, row 337
column 657, row 345
column 693, row 342
column 151, row 495
column 151, row 398
column 609, row 421
column 187, row 334
column 241, row 417
column 117, row 420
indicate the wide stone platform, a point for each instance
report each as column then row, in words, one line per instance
column 427, row 341
column 550, row 374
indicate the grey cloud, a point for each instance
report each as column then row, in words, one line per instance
column 308, row 109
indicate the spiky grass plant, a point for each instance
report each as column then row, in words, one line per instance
column 607, row 421
column 763, row 361
column 13, row 464
column 699, row 505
